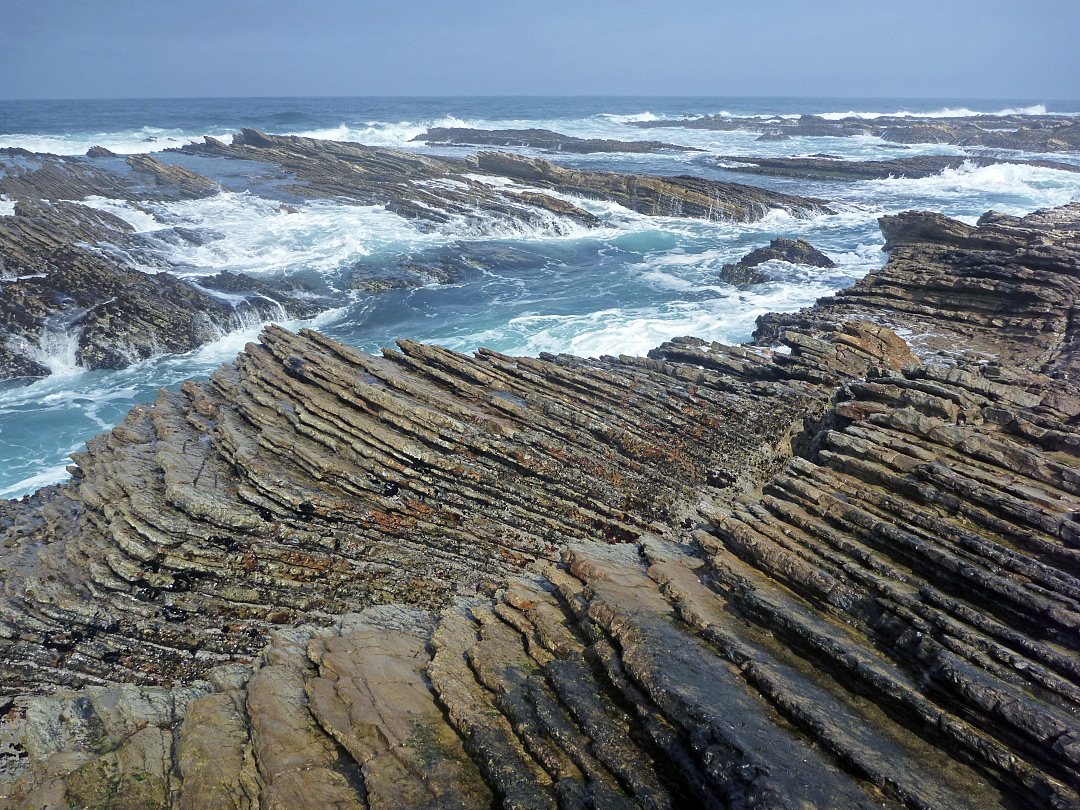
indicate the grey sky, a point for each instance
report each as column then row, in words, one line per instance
column 902, row 48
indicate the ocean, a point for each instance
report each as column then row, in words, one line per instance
column 621, row 288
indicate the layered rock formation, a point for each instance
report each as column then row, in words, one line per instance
column 793, row 251
column 1035, row 133
column 439, row 189
column 838, row 575
column 1004, row 290
column 824, row 168
column 59, row 294
column 542, row 139
column 73, row 278
column 681, row 196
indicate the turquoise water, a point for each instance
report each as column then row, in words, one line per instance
column 620, row 288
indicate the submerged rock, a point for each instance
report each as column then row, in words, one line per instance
column 793, row 251
column 844, row 574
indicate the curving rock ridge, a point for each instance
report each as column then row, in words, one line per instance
column 542, row 139
column 833, row 576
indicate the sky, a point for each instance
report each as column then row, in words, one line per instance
column 846, row 48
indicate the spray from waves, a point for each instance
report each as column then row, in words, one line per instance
column 124, row 142
column 249, row 234
column 1011, row 188
column 636, row 330
column 947, row 112
column 384, row 133
column 628, row 119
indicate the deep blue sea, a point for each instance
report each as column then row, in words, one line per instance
column 622, row 288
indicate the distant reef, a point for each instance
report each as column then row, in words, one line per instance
column 838, row 567
column 542, row 139
column 77, row 280
column 1036, row 133
column 824, row 167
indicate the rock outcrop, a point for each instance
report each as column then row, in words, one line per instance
column 681, row 196
column 817, row 168
column 440, row 189
column 542, row 139
column 843, row 574
column 1034, row 133
column 64, row 300
column 74, row 280
column 1003, row 290
column 793, row 251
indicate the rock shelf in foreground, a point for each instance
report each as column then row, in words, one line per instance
column 839, row 575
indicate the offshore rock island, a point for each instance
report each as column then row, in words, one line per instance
column 837, row 567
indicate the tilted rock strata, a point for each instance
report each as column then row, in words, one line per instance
column 438, row 189
column 829, row 576
column 542, row 139
column 1004, row 290
column 681, row 196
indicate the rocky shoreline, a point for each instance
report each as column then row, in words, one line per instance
column 77, row 280
column 1035, row 133
column 838, row 568
column 823, row 167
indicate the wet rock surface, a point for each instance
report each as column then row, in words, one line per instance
column 839, row 573
column 793, row 251
column 683, row 196
column 438, row 189
column 62, row 297
column 1034, row 133
column 542, row 139
column 80, row 288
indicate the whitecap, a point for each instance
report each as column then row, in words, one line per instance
column 50, row 475
column 946, row 112
column 383, row 133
